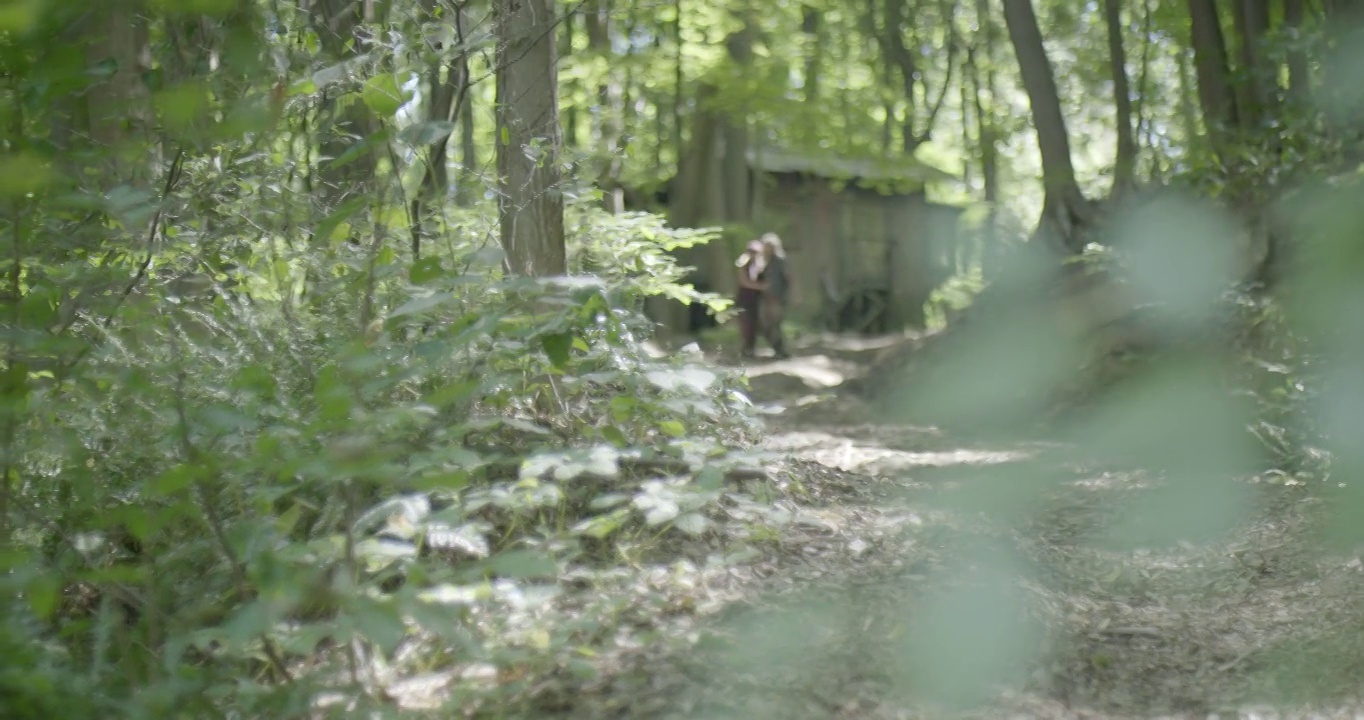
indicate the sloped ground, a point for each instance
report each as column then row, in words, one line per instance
column 823, row 625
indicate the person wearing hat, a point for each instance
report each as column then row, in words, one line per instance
column 750, row 267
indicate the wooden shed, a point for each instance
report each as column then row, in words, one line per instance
column 866, row 247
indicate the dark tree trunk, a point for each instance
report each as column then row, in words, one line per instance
column 530, row 203
column 466, row 192
column 1065, row 211
column 1210, row 65
column 447, row 90
column 1257, row 88
column 811, row 22
column 1299, row 73
column 1125, row 164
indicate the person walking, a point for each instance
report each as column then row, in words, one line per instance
column 749, row 299
column 776, row 293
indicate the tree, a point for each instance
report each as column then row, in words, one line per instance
column 1210, row 65
column 1125, row 164
column 447, row 91
column 1256, row 88
column 1065, row 210
column 530, row 204
column 984, row 85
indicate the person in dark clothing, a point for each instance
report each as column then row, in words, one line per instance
column 775, row 294
column 749, row 300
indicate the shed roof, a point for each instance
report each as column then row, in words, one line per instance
column 898, row 171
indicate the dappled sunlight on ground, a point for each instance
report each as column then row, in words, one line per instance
column 852, row 455
column 814, row 628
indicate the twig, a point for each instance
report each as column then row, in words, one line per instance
column 153, row 229
column 172, row 177
column 1132, row 632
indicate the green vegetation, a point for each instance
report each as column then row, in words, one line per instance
column 330, row 382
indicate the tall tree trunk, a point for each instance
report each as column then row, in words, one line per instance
column 530, row 204
column 713, row 185
column 1299, row 73
column 447, row 91
column 608, row 125
column 118, row 108
column 335, row 22
column 466, row 191
column 989, row 131
column 893, row 28
column 811, row 24
column 1142, row 120
column 570, row 111
column 1125, row 164
column 1188, row 113
column 679, row 85
column 921, row 107
column 1256, row 90
column 1210, row 65
column 1065, row 211
column 738, row 190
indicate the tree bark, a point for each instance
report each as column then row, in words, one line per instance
column 1299, row 73
column 1188, row 87
column 609, row 117
column 1125, row 164
column 1065, row 211
column 738, row 190
column 811, row 24
column 530, row 204
column 893, row 24
column 989, row 131
column 465, row 194
column 119, row 107
column 570, row 112
column 1256, row 90
column 914, row 131
column 335, row 22
column 1210, row 65
column 447, row 91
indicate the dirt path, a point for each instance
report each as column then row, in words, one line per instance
column 910, row 565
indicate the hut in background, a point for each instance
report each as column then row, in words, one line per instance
column 866, row 247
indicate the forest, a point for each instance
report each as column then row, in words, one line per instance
column 387, row 359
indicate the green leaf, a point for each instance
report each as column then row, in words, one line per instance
column 249, row 622
column 692, row 523
column 379, row 622
column 11, row 558
column 23, row 173
column 333, row 396
column 426, row 133
column 673, row 428
column 306, row 86
column 196, row 7
column 602, row 526
column 329, row 224
column 181, row 105
column 710, row 478
column 425, row 270
column 385, row 95
column 172, row 481
column 505, row 136
column 18, row 16
column 421, row 304
column 557, row 347
column 44, row 592
column 521, row 564
column 615, row 436
column 622, row 407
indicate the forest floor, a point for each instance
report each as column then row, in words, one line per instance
column 1250, row 626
